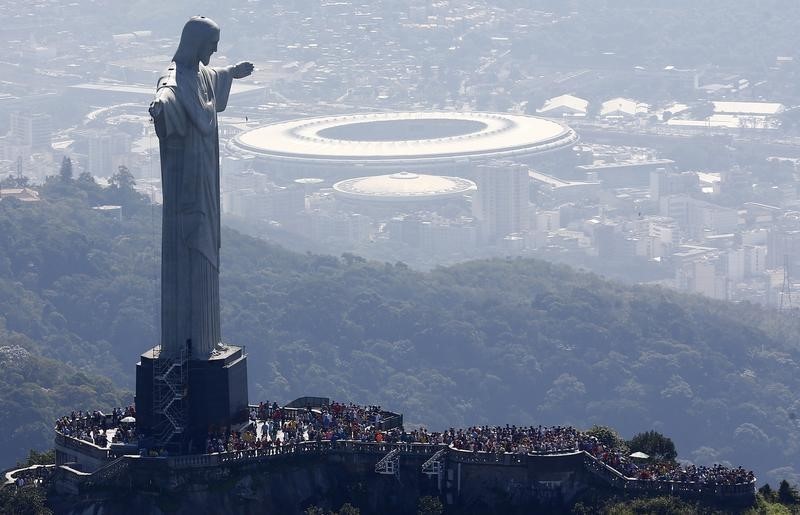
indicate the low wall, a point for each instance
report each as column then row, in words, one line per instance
column 32, row 474
column 83, row 455
column 290, row 478
column 743, row 493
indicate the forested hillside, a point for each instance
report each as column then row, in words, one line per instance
column 514, row 341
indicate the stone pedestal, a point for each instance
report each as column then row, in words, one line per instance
column 216, row 396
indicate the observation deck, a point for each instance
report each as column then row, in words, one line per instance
column 352, row 443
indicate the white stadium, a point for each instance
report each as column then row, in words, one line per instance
column 402, row 187
column 367, row 144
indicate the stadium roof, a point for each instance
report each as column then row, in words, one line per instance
column 406, row 136
column 403, row 186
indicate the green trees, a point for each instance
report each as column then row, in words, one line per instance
column 703, row 110
column 606, row 436
column 429, row 505
column 65, row 172
column 19, row 181
column 122, row 180
column 122, row 189
column 784, row 501
column 39, row 458
column 29, row 500
column 787, row 494
column 36, row 390
column 346, row 509
column 654, row 444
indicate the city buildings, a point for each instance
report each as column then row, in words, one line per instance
column 502, row 202
column 685, row 175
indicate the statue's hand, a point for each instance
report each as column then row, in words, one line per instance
column 242, row 70
column 156, row 107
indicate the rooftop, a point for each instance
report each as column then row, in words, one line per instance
column 403, row 186
column 572, row 102
column 760, row 108
column 22, row 194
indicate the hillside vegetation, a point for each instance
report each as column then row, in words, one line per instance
column 515, row 341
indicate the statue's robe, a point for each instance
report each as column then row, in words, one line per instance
column 189, row 147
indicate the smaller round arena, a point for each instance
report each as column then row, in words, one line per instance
column 402, row 187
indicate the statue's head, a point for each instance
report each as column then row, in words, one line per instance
column 199, row 40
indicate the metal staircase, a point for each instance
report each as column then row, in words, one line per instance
column 170, row 388
column 435, row 465
column 389, row 464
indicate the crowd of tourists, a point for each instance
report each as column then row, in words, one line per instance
column 274, row 427
column 32, row 476
column 513, row 439
column 95, row 426
column 282, row 426
column 664, row 470
column 714, row 475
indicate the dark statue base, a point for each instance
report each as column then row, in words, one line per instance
column 215, row 399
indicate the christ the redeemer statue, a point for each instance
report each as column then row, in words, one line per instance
column 188, row 98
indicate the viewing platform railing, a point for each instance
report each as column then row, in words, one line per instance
column 596, row 467
column 659, row 487
column 83, row 446
column 300, row 449
column 389, row 419
column 28, row 474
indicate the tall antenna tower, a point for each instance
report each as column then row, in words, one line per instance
column 786, row 289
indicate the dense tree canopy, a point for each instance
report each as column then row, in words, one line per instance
column 655, row 445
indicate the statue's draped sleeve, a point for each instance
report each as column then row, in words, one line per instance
column 222, row 80
column 170, row 119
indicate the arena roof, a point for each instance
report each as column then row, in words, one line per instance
column 412, row 136
column 403, row 186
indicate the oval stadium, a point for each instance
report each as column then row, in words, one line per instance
column 402, row 187
column 432, row 142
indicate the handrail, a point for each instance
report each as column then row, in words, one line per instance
column 303, row 448
column 61, row 438
column 432, row 465
column 313, row 448
column 617, row 479
column 389, row 463
column 71, row 442
column 12, row 475
column 108, row 471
